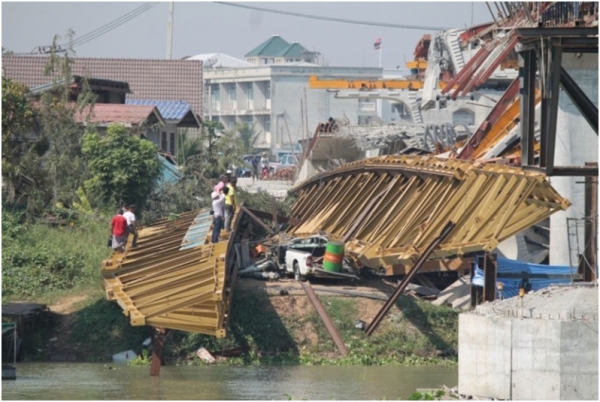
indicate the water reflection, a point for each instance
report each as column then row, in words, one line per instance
column 96, row 381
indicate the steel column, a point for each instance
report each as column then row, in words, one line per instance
column 527, row 69
column 312, row 296
column 388, row 305
column 554, row 67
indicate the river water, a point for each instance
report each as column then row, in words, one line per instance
column 108, row 381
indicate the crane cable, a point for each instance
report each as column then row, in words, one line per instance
column 345, row 21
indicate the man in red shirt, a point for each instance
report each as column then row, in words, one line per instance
column 118, row 226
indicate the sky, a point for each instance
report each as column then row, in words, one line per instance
column 205, row 27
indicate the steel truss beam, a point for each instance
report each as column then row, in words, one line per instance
column 387, row 218
column 168, row 282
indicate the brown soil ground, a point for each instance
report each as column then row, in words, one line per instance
column 58, row 347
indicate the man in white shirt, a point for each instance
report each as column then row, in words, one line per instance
column 218, row 204
column 129, row 214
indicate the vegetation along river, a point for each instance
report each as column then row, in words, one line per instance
column 98, row 381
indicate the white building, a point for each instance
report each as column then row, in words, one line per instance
column 269, row 93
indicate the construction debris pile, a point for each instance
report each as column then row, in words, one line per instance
column 173, row 278
column 388, row 209
column 398, row 136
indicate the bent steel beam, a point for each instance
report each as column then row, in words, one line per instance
column 585, row 106
column 405, row 281
column 312, row 296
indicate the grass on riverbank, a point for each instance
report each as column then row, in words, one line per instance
column 41, row 263
column 273, row 334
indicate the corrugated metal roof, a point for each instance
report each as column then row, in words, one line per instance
column 170, row 110
column 148, row 79
column 271, row 47
column 197, row 232
column 170, row 173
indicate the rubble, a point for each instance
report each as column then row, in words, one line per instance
column 552, row 303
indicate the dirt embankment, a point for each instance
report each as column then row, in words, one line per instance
column 269, row 319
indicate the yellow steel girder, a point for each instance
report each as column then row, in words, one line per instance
column 419, row 195
column 161, row 285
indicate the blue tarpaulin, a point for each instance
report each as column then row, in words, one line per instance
column 511, row 285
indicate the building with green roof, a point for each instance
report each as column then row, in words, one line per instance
column 277, row 50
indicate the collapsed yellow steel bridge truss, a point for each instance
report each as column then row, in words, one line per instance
column 173, row 279
column 388, row 209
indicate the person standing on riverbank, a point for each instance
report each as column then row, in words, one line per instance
column 131, row 225
column 118, row 226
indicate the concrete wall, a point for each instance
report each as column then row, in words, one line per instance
column 576, row 143
column 530, row 359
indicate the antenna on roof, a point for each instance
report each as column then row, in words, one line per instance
column 210, row 62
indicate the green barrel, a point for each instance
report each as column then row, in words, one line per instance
column 334, row 255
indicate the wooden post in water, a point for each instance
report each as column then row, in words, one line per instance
column 158, row 342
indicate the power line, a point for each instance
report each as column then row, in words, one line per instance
column 96, row 32
column 113, row 24
column 342, row 20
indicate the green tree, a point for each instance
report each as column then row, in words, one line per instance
column 211, row 127
column 17, row 121
column 248, row 135
column 124, row 168
column 189, row 147
column 58, row 122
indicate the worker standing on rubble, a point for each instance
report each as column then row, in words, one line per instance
column 230, row 203
column 221, row 184
column 218, row 204
column 129, row 214
column 118, row 226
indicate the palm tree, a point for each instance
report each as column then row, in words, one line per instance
column 188, row 147
column 211, row 129
column 248, row 135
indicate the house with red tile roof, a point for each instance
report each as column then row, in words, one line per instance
column 169, row 80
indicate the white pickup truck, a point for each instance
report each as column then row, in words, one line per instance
column 297, row 256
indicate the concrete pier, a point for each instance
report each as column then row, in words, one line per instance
column 546, row 349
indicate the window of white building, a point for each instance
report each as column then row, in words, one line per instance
column 215, row 98
column 268, row 124
column 233, row 95
column 250, row 92
column 268, row 91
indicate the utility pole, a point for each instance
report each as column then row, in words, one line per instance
column 170, row 32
